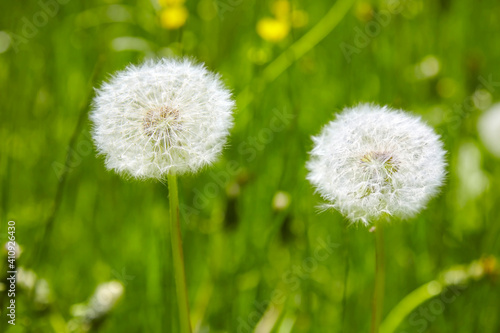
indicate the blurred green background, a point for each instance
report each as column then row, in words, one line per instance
column 250, row 234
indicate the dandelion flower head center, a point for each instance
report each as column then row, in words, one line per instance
column 379, row 164
column 160, row 124
column 377, row 169
column 372, row 161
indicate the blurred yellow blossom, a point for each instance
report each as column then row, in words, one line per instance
column 173, row 17
column 281, row 9
column 273, row 30
column 363, row 11
column 165, row 3
column 277, row 28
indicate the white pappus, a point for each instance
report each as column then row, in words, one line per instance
column 163, row 116
column 373, row 161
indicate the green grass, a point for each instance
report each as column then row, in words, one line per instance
column 238, row 249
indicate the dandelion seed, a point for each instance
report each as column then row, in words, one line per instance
column 165, row 116
column 373, row 161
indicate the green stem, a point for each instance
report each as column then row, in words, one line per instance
column 378, row 294
column 408, row 304
column 309, row 40
column 431, row 289
column 178, row 257
column 300, row 47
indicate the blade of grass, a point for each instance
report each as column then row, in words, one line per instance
column 42, row 243
column 307, row 42
column 408, row 304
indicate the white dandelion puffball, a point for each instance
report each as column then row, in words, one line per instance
column 489, row 129
column 372, row 161
column 163, row 116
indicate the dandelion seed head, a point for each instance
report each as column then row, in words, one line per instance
column 163, row 116
column 373, row 161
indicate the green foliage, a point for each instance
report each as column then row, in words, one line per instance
column 80, row 225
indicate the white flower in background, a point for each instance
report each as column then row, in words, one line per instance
column 104, row 299
column 26, row 279
column 165, row 116
column 90, row 315
column 17, row 249
column 37, row 287
column 372, row 161
column 43, row 294
column 473, row 180
column 489, row 129
column 281, row 200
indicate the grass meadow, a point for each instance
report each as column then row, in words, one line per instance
column 259, row 254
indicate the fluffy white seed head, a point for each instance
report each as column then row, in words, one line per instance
column 489, row 129
column 163, row 116
column 372, row 161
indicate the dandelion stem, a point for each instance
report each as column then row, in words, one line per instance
column 378, row 293
column 178, row 256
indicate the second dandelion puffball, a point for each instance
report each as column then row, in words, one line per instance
column 163, row 116
column 373, row 161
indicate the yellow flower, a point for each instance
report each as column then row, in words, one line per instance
column 281, row 9
column 165, row 3
column 363, row 11
column 173, row 17
column 273, row 30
